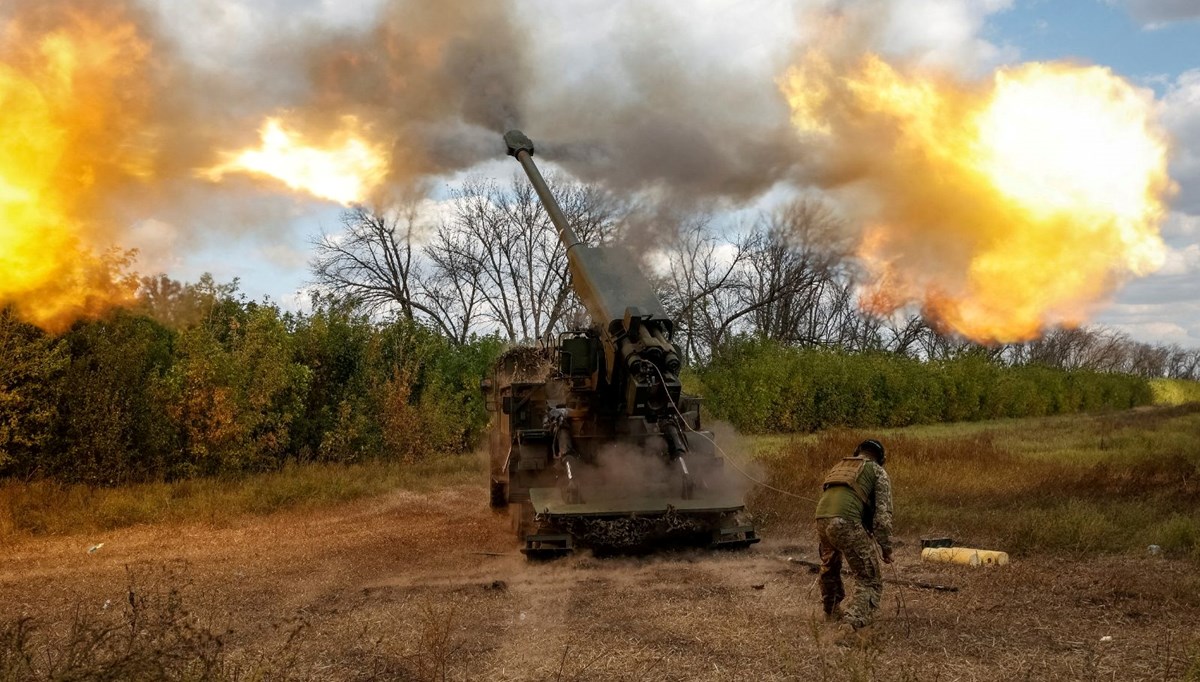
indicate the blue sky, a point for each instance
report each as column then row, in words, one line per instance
column 1154, row 43
column 1099, row 33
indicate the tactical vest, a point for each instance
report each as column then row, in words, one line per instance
column 846, row 472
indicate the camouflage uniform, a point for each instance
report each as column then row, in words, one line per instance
column 843, row 520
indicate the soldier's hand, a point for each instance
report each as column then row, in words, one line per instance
column 887, row 555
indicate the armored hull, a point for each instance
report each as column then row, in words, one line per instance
column 618, row 490
column 594, row 442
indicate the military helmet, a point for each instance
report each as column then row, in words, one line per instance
column 874, row 447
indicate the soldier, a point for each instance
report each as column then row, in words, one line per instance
column 853, row 514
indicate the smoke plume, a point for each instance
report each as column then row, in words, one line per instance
column 133, row 116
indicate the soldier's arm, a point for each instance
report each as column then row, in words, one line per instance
column 883, row 510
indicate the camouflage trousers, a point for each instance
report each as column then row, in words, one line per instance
column 843, row 538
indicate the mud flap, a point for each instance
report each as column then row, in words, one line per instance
column 499, row 494
column 548, row 545
column 734, row 537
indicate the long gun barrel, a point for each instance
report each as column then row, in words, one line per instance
column 521, row 147
column 634, row 328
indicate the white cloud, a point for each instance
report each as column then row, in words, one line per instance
column 299, row 300
column 1181, row 225
column 157, row 243
column 1156, row 332
column 1130, row 309
column 284, row 255
column 943, row 33
column 1163, row 307
column 1181, row 115
column 1182, row 261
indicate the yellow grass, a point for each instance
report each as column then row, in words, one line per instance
column 51, row 508
column 1110, row 483
column 1107, row 483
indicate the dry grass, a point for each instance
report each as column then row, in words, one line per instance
column 428, row 586
column 1079, row 484
column 423, row 582
column 150, row 635
column 47, row 507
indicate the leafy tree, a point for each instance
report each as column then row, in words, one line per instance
column 111, row 428
column 30, row 384
column 235, row 390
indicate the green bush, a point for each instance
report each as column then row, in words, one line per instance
column 762, row 387
column 202, row 382
column 1174, row 391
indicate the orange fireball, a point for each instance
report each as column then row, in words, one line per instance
column 1000, row 208
column 346, row 169
column 70, row 101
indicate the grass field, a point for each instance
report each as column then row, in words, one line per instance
column 50, row 508
column 217, row 579
column 1100, row 483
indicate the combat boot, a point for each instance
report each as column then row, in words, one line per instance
column 834, row 614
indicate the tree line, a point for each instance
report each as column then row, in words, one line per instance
column 763, row 387
column 196, row 380
column 492, row 263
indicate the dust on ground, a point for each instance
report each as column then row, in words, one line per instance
column 430, row 586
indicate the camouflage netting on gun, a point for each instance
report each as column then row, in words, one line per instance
column 524, row 364
column 632, row 533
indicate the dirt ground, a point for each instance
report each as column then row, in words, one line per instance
column 430, row 586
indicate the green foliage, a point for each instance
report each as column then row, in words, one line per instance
column 202, row 382
column 199, row 381
column 233, row 393
column 110, row 428
column 762, row 387
column 336, row 425
column 1175, row 391
column 427, row 390
column 30, row 381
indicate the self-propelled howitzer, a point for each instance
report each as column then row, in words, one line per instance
column 594, row 443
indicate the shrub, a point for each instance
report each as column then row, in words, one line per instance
column 229, row 386
column 1174, row 391
column 761, row 387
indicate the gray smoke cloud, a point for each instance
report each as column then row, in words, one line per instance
column 436, row 77
column 668, row 112
column 1159, row 12
column 445, row 79
column 679, row 101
